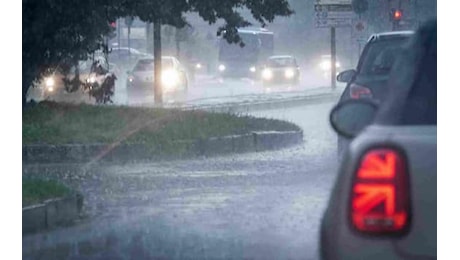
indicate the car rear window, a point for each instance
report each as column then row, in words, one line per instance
column 380, row 56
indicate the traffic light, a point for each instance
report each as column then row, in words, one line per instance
column 396, row 14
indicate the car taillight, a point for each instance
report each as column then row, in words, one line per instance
column 358, row 91
column 380, row 193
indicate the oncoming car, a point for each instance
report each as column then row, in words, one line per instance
column 383, row 204
column 325, row 66
column 141, row 78
column 280, row 69
column 52, row 87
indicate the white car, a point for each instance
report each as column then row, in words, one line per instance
column 141, row 78
column 383, row 205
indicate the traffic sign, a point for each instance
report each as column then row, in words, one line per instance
column 333, row 2
column 334, row 15
column 324, row 23
column 333, row 8
column 337, row 13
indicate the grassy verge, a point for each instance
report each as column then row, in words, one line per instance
column 55, row 123
column 37, row 190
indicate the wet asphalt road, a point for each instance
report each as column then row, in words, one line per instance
column 249, row 206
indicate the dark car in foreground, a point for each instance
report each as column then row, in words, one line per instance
column 369, row 80
column 383, row 204
column 281, row 69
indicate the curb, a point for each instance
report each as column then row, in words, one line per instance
column 80, row 153
column 51, row 213
column 237, row 107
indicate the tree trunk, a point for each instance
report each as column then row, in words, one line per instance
column 157, row 60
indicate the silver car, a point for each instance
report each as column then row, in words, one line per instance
column 383, row 205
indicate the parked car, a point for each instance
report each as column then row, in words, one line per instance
column 383, row 204
column 369, row 80
column 280, row 69
column 141, row 78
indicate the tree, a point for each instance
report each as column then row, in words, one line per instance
column 56, row 31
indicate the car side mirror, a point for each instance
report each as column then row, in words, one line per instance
column 346, row 76
column 350, row 117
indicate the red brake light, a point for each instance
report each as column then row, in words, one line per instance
column 380, row 193
column 358, row 91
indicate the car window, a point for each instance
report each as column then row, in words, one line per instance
column 144, row 65
column 380, row 56
column 148, row 64
column 281, row 62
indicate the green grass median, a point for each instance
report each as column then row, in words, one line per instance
column 57, row 123
column 38, row 190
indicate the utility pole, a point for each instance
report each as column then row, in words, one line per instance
column 118, row 33
column 149, row 37
column 333, row 58
column 129, row 22
column 157, row 61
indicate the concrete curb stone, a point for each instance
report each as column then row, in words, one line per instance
column 51, row 213
column 83, row 153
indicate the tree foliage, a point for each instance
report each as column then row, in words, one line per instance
column 62, row 31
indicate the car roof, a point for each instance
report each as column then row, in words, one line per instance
column 390, row 35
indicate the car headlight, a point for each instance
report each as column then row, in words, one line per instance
column 289, row 73
column 91, row 79
column 252, row 69
column 221, row 67
column 170, row 78
column 267, row 74
column 198, row 65
column 49, row 82
column 326, row 65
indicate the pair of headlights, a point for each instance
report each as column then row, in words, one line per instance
column 267, row 74
column 223, row 68
column 169, row 78
column 49, row 84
